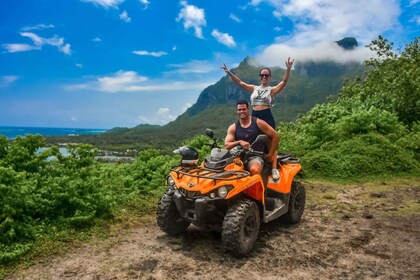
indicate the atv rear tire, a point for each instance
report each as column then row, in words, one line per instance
column 168, row 218
column 241, row 226
column 296, row 203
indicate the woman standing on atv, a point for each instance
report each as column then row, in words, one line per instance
column 262, row 96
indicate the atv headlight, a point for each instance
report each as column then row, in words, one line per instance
column 222, row 192
column 170, row 181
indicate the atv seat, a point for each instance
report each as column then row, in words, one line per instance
column 285, row 158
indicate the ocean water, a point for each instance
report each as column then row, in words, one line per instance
column 12, row 132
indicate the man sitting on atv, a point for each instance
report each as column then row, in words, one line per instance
column 245, row 131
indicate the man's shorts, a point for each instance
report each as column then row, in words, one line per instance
column 255, row 159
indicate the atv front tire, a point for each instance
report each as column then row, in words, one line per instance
column 168, row 217
column 241, row 226
column 296, row 203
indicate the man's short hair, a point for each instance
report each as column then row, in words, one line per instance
column 242, row 101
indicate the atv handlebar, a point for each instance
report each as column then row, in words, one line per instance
column 251, row 152
column 238, row 150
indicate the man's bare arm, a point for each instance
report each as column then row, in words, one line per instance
column 230, row 139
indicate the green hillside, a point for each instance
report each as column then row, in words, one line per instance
column 310, row 84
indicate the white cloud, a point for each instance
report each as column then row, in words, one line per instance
column 185, row 107
column 124, row 16
column 97, row 39
column 147, row 53
column 276, row 14
column 234, row 17
column 120, row 81
column 57, row 42
column 38, row 43
column 65, row 49
column 224, row 38
column 6, row 81
column 79, row 65
column 11, row 48
column 193, row 67
column 192, row 17
column 105, row 3
column 168, row 86
column 145, row 3
column 329, row 20
column 416, row 19
column 164, row 115
column 318, row 23
column 277, row 54
column 37, row 27
column 174, row 48
column 130, row 81
column 256, row 2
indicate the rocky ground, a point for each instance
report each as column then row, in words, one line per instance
column 369, row 231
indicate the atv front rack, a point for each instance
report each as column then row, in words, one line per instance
column 214, row 174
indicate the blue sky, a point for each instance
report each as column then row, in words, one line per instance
column 120, row 63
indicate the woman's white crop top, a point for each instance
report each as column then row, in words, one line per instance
column 261, row 96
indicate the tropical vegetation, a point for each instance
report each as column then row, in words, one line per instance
column 371, row 130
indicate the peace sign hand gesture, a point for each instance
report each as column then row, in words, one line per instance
column 289, row 63
column 224, row 68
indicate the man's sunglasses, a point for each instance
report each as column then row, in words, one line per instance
column 264, row 75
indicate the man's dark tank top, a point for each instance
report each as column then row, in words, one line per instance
column 248, row 134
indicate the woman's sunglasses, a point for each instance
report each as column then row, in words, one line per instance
column 264, row 75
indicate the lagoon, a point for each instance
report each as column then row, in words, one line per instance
column 12, row 132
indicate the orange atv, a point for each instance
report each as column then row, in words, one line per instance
column 221, row 195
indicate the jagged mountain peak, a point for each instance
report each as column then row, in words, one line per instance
column 348, row 43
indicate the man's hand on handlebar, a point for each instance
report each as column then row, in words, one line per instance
column 244, row 144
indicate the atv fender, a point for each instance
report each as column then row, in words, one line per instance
column 253, row 188
column 287, row 173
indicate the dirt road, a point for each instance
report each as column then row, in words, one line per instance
column 355, row 232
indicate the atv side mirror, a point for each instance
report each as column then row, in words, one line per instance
column 209, row 133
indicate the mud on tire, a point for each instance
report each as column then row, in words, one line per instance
column 168, row 218
column 296, row 203
column 240, row 228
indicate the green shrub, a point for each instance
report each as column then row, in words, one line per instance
column 149, row 172
column 44, row 187
column 365, row 155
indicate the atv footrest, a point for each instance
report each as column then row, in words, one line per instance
column 275, row 207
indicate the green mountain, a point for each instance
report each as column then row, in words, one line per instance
column 310, row 83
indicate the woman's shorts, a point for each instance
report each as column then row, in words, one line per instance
column 266, row 116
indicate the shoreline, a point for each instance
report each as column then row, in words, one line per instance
column 13, row 132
